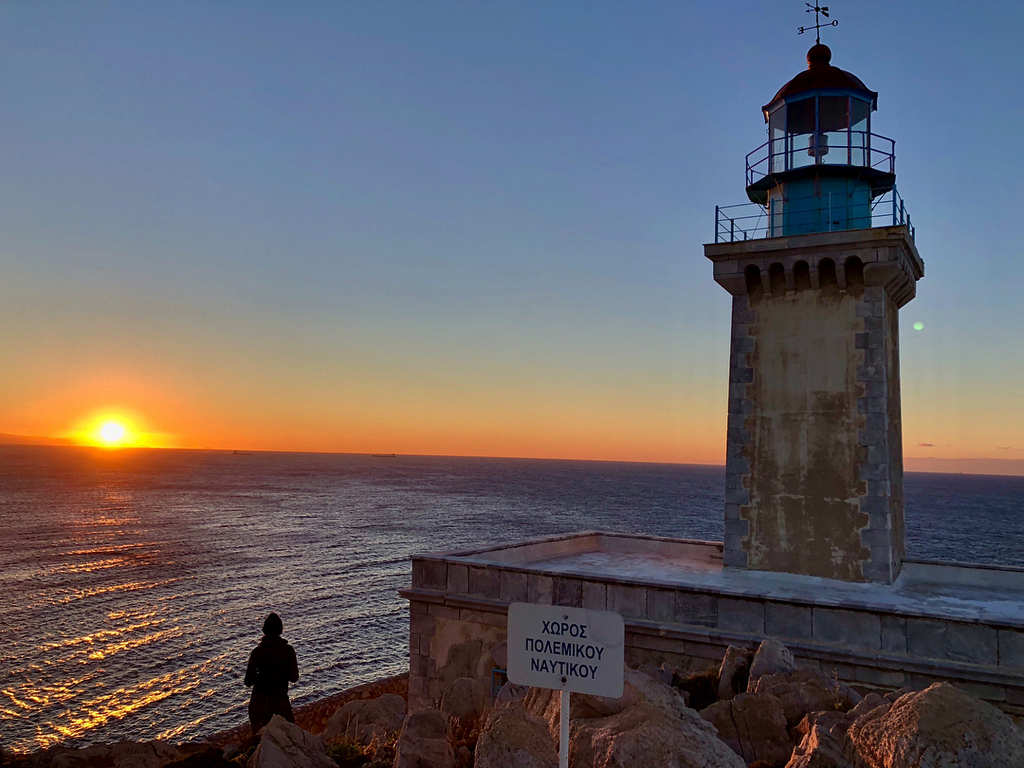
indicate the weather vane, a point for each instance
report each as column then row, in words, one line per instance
column 816, row 9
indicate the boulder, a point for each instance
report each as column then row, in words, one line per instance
column 833, row 721
column 807, row 689
column 836, row 722
column 146, row 754
column 424, row 741
column 642, row 735
column 753, row 725
column 97, row 756
column 939, row 727
column 285, row 745
column 772, row 658
column 513, row 738
column 819, row 749
column 865, row 705
column 358, row 720
column 465, row 699
column 204, row 755
column 636, row 688
column 732, row 675
column 650, row 725
column 891, row 696
column 123, row 754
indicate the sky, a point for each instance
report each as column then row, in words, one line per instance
column 467, row 228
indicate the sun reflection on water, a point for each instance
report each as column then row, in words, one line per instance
column 141, row 576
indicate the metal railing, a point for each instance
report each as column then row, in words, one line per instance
column 800, row 150
column 817, row 213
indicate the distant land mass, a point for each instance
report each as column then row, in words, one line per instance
column 978, row 466
column 6, row 439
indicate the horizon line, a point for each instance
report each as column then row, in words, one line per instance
column 45, row 442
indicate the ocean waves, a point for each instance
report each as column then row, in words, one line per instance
column 139, row 579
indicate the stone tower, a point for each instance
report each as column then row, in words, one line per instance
column 818, row 266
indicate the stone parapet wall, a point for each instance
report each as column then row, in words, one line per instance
column 458, row 615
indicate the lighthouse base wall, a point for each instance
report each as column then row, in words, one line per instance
column 962, row 624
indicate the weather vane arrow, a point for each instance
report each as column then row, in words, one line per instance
column 816, row 10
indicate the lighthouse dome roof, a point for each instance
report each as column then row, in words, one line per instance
column 821, row 75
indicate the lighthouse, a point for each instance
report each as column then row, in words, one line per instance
column 821, row 168
column 818, row 264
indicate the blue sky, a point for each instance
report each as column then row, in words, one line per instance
column 465, row 227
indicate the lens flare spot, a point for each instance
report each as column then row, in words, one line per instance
column 919, row 326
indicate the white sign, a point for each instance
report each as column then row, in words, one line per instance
column 567, row 649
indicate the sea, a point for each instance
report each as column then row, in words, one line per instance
column 133, row 583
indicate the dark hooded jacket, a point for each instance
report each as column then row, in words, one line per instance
column 272, row 665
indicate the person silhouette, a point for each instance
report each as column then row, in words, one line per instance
column 272, row 665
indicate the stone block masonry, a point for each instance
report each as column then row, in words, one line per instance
column 681, row 606
column 814, row 465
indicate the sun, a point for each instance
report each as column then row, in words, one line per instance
column 112, row 433
column 115, row 427
column 111, row 430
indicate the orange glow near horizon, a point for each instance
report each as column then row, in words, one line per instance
column 112, row 429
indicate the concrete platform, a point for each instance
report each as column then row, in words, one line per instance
column 938, row 621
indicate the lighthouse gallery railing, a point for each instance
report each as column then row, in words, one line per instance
column 800, row 150
column 750, row 221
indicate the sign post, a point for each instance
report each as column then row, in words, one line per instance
column 566, row 649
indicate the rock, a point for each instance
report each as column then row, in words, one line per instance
column 753, row 725
column 358, row 720
column 657, row 673
column 732, row 675
column 203, row 755
column 636, row 688
column 510, row 692
column 424, row 741
column 807, row 689
column 772, row 658
column 819, row 749
column 285, row 745
column 836, row 722
column 864, row 706
column 513, row 738
column 97, row 756
column 464, row 757
column 650, row 725
column 146, row 754
column 642, row 735
column 123, row 754
column 939, row 727
column 891, row 696
column 833, row 721
column 465, row 699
